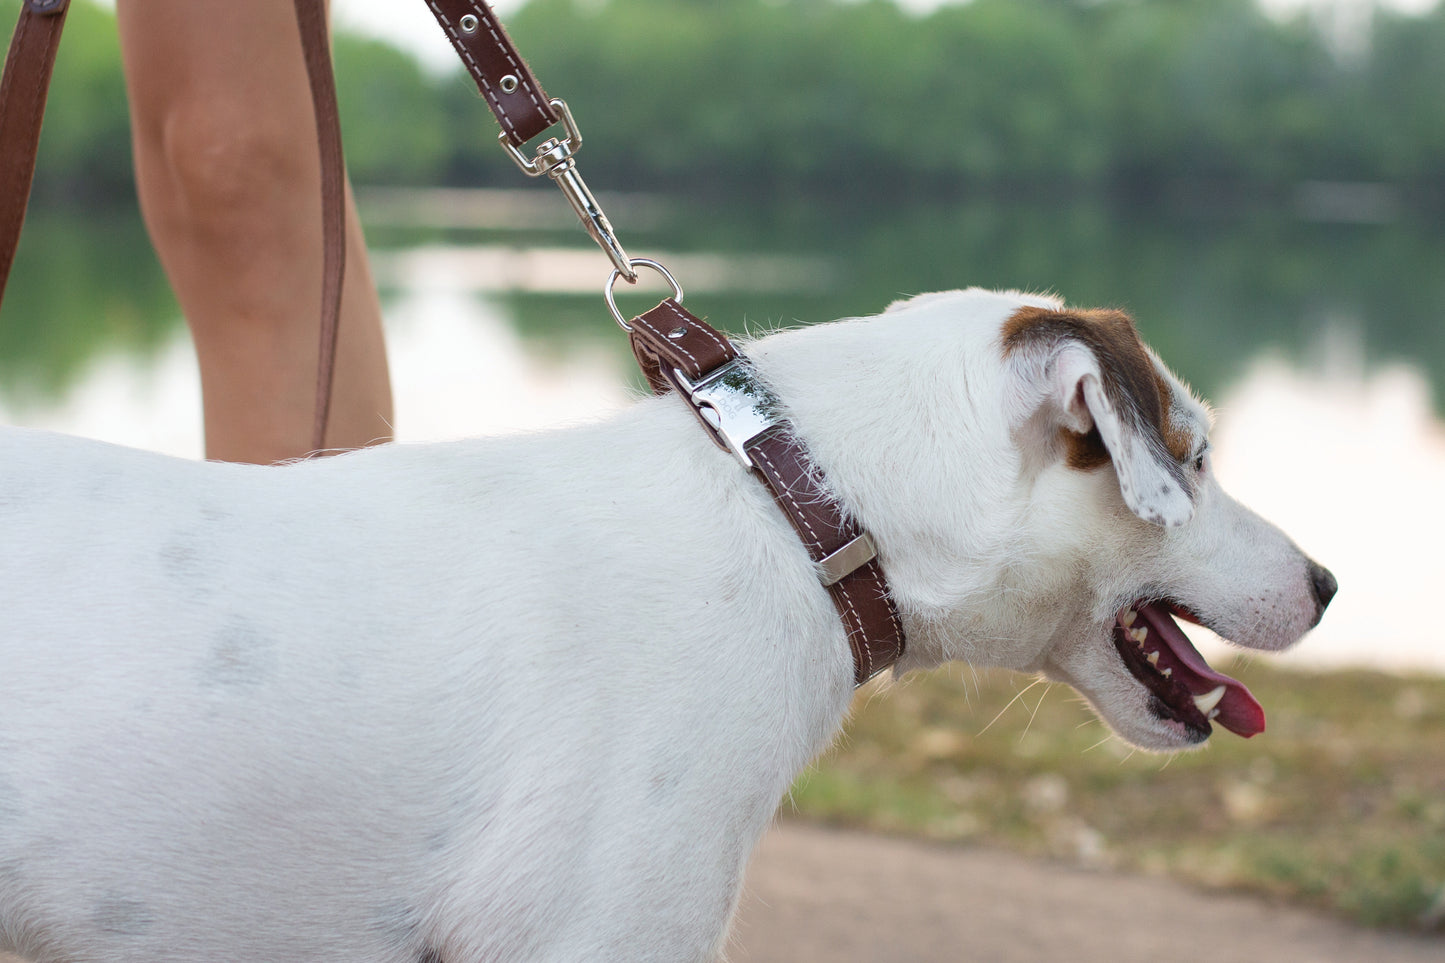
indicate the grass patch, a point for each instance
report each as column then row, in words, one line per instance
column 1340, row 805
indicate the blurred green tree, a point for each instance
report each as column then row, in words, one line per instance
column 771, row 98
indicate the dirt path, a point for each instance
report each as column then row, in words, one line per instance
column 821, row 895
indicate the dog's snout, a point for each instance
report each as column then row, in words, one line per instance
column 1325, row 587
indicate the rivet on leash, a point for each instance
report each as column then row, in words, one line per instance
column 509, row 83
column 677, row 332
column 469, row 24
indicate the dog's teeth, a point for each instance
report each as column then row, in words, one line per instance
column 1214, row 713
column 1129, row 617
column 1166, row 673
column 1206, row 703
column 1139, row 634
column 1154, row 659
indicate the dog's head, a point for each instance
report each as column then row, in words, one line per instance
column 1116, row 427
column 1046, row 501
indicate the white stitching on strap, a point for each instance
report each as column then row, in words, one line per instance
column 660, row 336
column 476, row 70
column 862, row 646
column 521, row 74
column 877, row 575
column 788, row 492
column 817, row 544
column 703, row 328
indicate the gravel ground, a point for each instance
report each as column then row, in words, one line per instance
column 822, row 895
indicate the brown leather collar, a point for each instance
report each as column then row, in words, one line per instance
column 679, row 351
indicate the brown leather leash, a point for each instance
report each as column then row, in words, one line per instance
column 316, row 46
column 677, row 351
column 22, row 106
column 680, row 352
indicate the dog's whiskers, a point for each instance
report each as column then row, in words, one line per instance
column 1019, row 695
column 1033, row 715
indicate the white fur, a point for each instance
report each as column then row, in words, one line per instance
column 534, row 699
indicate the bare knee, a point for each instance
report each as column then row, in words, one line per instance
column 224, row 173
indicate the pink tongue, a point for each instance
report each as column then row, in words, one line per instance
column 1239, row 711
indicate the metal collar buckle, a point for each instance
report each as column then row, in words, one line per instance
column 733, row 405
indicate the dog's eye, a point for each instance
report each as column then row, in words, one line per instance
column 1199, row 462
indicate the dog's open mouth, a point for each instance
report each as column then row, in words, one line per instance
column 1185, row 688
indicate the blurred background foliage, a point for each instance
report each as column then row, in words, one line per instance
column 1131, row 98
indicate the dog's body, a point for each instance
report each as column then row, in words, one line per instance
column 537, row 698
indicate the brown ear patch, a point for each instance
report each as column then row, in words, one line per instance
column 1131, row 380
column 1177, row 439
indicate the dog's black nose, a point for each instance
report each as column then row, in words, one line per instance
column 1325, row 587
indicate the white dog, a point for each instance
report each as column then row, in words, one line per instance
column 536, row 698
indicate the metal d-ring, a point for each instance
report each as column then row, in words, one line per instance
column 635, row 263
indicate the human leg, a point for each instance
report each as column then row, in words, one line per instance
column 227, row 173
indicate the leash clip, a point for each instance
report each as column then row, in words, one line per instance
column 555, row 159
column 733, row 405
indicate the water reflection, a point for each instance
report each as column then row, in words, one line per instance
column 458, row 366
column 80, row 287
column 1209, row 293
column 1352, row 464
column 568, row 270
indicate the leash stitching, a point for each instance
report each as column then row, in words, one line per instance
column 476, row 69
column 496, row 38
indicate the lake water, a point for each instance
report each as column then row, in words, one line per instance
column 1318, row 342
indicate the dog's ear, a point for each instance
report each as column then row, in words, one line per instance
column 1102, row 392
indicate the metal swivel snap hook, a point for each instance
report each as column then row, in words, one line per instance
column 554, row 158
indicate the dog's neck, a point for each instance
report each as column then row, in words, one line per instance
column 939, row 491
